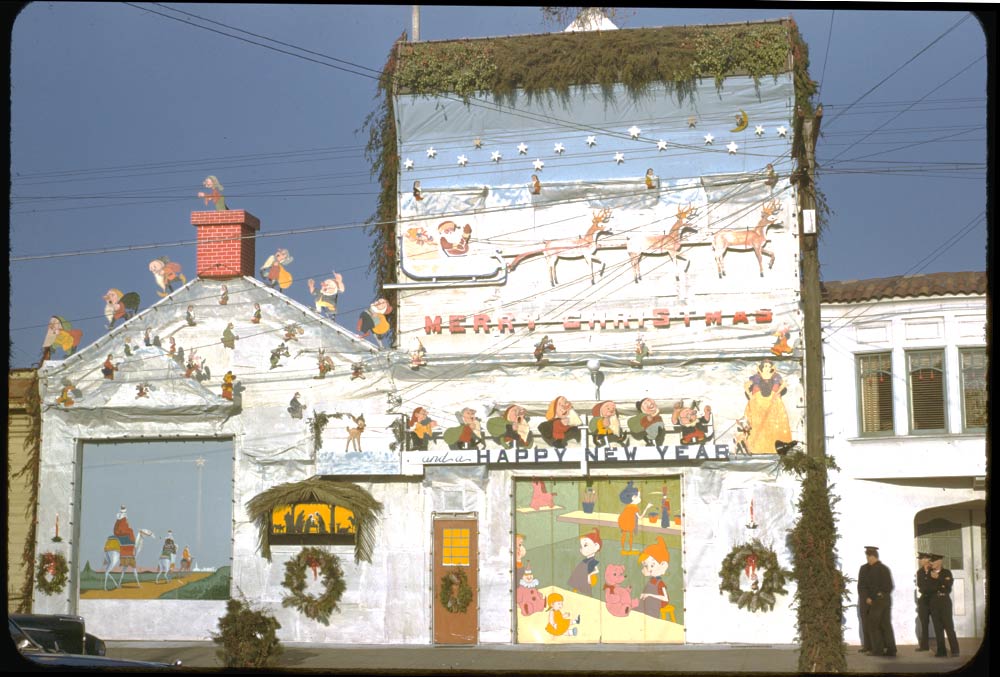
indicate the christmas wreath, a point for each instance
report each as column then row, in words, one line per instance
column 748, row 558
column 455, row 600
column 321, row 563
column 52, row 573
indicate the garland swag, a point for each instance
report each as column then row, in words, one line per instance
column 52, row 573
column 322, row 564
column 455, row 601
column 762, row 596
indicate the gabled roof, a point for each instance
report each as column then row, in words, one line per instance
column 904, row 286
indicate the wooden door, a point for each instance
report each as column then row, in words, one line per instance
column 456, row 569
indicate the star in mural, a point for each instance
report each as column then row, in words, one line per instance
column 619, row 157
column 462, row 160
column 732, row 148
column 782, row 131
column 661, row 145
column 477, row 142
column 431, row 153
column 559, row 149
column 538, row 164
column 591, row 140
column 759, row 130
column 634, row 132
column 495, row 156
column 709, row 139
column 522, row 149
column 408, row 164
column 692, row 121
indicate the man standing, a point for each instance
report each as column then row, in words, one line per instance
column 875, row 593
column 941, row 581
column 925, row 590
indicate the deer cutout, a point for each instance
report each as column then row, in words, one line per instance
column 571, row 248
column 748, row 239
column 667, row 243
column 354, row 434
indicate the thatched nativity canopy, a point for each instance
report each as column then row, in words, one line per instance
column 318, row 490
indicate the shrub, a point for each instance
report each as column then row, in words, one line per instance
column 247, row 636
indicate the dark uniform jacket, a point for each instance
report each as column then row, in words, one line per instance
column 925, row 585
column 874, row 580
column 941, row 586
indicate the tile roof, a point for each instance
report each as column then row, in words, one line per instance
column 902, row 286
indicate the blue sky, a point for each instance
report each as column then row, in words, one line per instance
column 118, row 114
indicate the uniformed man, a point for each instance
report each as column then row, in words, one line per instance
column 925, row 590
column 942, row 581
column 875, row 593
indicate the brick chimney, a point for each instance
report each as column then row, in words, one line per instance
column 225, row 243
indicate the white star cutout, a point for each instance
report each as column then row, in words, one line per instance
column 732, row 147
column 634, row 132
column 477, row 142
column 495, row 156
column 559, row 149
column 661, row 145
column 619, row 157
column 782, row 131
column 431, row 153
column 538, row 164
column 522, row 149
column 709, row 139
column 692, row 121
column 759, row 130
column 408, row 164
column 462, row 160
column 591, row 140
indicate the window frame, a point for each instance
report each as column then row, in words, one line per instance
column 859, row 384
column 962, row 351
column 911, row 422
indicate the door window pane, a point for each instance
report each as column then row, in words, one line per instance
column 944, row 538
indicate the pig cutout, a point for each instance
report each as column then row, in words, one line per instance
column 617, row 599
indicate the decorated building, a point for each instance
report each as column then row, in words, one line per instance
column 561, row 422
column 906, row 372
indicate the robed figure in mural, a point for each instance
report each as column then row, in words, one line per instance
column 765, row 410
column 124, row 532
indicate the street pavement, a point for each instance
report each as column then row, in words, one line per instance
column 682, row 659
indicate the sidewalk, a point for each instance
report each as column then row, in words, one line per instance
column 687, row 659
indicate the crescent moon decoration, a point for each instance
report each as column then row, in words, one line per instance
column 741, row 122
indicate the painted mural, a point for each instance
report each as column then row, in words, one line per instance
column 156, row 521
column 599, row 561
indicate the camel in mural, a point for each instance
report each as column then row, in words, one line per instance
column 668, row 243
column 113, row 557
column 571, row 248
column 748, row 239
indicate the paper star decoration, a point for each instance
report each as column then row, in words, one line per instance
column 661, row 145
column 495, row 156
column 477, row 142
column 408, row 164
column 538, row 164
column 462, row 160
column 619, row 157
column 782, row 131
column 634, row 132
column 559, row 149
column 709, row 139
column 591, row 140
column 522, row 149
column 692, row 121
column 759, row 130
column 732, row 147
column 431, row 153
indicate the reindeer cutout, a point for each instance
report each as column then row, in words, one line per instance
column 354, row 434
column 571, row 248
column 668, row 243
column 748, row 239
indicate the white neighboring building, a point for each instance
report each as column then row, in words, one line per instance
column 905, row 366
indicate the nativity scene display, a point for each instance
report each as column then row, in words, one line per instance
column 312, row 524
column 598, row 561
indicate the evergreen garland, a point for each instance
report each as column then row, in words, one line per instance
column 455, row 601
column 32, row 442
column 762, row 598
column 322, row 564
column 52, row 573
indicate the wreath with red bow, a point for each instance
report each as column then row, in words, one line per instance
column 52, row 573
column 322, row 565
column 747, row 558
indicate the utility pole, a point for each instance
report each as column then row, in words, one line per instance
column 808, row 132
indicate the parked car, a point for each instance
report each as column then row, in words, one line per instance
column 36, row 653
column 60, row 633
